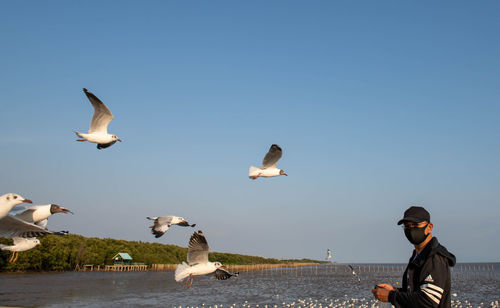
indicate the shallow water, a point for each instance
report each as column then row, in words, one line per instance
column 267, row 287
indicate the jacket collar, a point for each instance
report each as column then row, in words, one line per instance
column 422, row 256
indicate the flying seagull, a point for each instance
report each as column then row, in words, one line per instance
column 328, row 254
column 20, row 244
column 98, row 131
column 38, row 214
column 354, row 273
column 162, row 223
column 268, row 168
column 197, row 261
column 14, row 227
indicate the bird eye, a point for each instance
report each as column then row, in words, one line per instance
column 15, row 197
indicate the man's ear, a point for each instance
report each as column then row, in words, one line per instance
column 429, row 227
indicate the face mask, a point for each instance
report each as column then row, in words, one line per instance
column 416, row 235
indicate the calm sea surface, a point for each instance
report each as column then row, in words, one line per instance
column 473, row 282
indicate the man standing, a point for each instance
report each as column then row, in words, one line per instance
column 426, row 280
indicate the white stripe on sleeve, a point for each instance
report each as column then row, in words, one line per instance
column 437, row 294
column 432, row 286
column 431, row 296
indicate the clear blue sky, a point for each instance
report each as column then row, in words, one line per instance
column 378, row 105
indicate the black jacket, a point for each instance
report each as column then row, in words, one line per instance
column 426, row 281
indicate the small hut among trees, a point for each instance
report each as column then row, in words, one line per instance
column 122, row 258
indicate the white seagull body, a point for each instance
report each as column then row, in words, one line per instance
column 162, row 223
column 14, row 227
column 268, row 168
column 20, row 244
column 98, row 131
column 38, row 214
column 197, row 260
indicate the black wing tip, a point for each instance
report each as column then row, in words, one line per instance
column 275, row 146
column 101, row 146
column 157, row 234
column 85, row 90
column 193, row 225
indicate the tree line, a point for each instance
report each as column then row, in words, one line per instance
column 64, row 253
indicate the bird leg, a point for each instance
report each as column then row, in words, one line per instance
column 12, row 257
column 17, row 255
column 192, row 278
column 187, row 280
column 256, row 176
column 81, row 140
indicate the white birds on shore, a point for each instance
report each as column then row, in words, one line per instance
column 39, row 214
column 162, row 223
column 197, row 261
column 14, row 227
column 20, row 244
column 98, row 131
column 268, row 168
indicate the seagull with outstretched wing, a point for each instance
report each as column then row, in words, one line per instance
column 98, row 131
column 162, row 223
column 354, row 273
column 268, row 168
column 197, row 260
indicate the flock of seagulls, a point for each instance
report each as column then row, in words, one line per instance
column 25, row 226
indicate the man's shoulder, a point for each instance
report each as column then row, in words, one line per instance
column 442, row 254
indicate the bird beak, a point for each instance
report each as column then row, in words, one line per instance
column 66, row 211
column 223, row 266
column 119, row 140
column 285, row 174
column 27, row 201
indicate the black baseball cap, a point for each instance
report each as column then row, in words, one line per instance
column 415, row 214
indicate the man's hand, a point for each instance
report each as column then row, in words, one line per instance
column 381, row 292
column 386, row 286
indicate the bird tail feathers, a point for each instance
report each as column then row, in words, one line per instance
column 181, row 271
column 78, row 134
column 253, row 171
column 152, row 218
column 2, row 246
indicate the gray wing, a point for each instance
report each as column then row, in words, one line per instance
column 197, row 249
column 272, row 157
column 164, row 220
column 14, row 227
column 102, row 115
column 26, row 215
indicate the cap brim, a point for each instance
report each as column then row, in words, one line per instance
column 410, row 219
